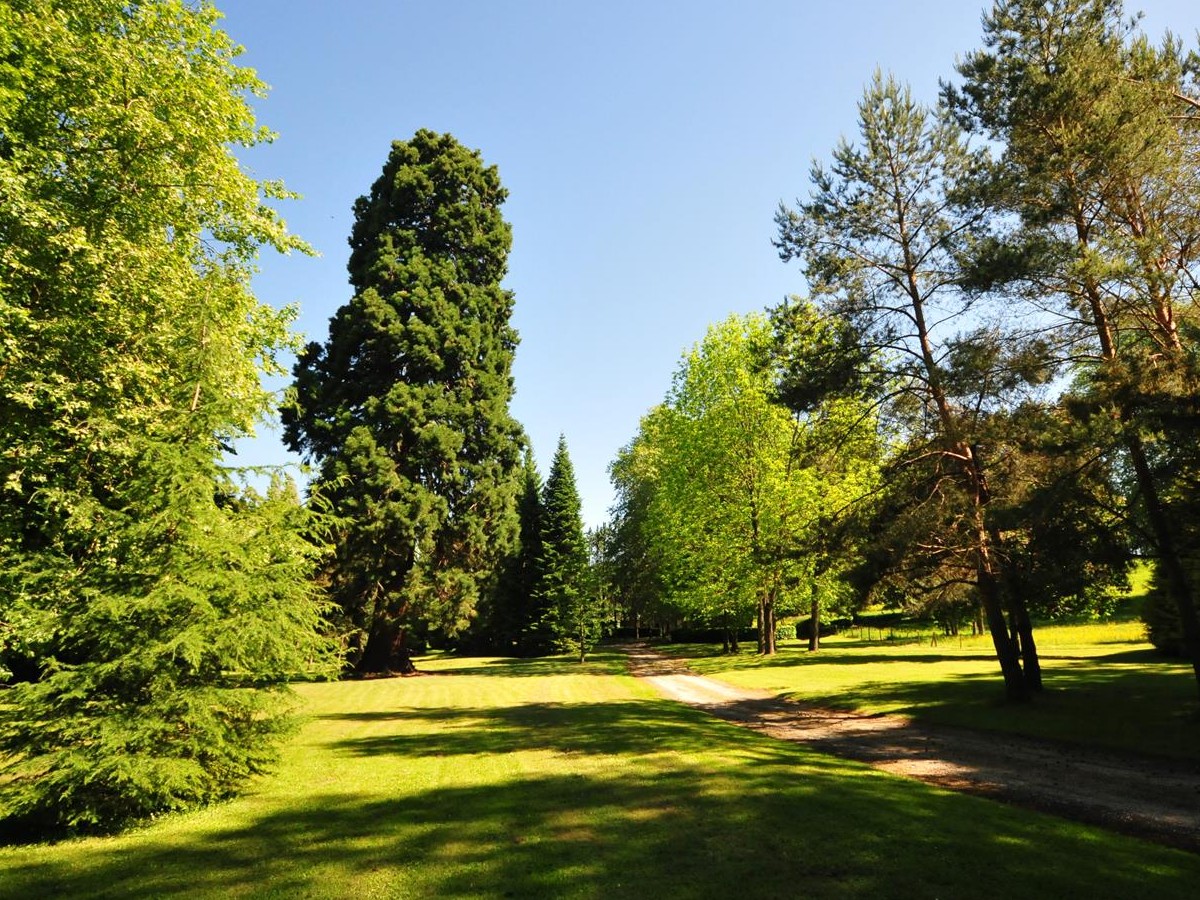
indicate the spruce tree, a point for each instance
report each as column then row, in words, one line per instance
column 570, row 612
column 143, row 591
column 404, row 408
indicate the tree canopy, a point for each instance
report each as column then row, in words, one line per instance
column 142, row 587
column 404, row 409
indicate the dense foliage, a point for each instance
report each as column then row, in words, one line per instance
column 144, row 593
column 404, row 408
column 1097, row 185
column 565, row 594
column 730, row 493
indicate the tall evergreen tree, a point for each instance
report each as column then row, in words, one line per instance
column 405, row 407
column 142, row 590
column 569, row 606
column 511, row 611
column 1100, row 131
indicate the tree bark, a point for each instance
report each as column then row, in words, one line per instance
column 1179, row 584
column 1015, row 687
column 760, row 621
column 386, row 650
column 814, row 636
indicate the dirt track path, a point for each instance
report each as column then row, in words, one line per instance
column 1154, row 798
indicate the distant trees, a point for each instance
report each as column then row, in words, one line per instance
column 144, row 592
column 404, row 409
column 726, row 489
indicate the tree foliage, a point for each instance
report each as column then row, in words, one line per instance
column 571, row 611
column 1100, row 130
column 730, row 490
column 881, row 236
column 143, row 590
column 405, row 407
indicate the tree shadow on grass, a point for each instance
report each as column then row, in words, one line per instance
column 745, row 816
column 617, row 728
column 607, row 663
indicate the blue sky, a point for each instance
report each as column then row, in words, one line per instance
column 645, row 146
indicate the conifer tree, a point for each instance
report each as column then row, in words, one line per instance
column 570, row 611
column 512, row 612
column 404, row 408
column 1100, row 130
column 143, row 591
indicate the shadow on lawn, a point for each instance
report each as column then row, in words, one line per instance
column 710, row 824
column 604, row 663
column 627, row 727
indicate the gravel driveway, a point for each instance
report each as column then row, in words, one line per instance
column 1151, row 797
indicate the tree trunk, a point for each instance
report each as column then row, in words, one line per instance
column 386, row 650
column 814, row 636
column 1032, row 666
column 761, row 622
column 1006, row 649
column 1179, row 585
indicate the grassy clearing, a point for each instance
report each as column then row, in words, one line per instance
column 1104, row 684
column 544, row 779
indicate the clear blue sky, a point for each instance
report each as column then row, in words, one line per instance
column 645, row 145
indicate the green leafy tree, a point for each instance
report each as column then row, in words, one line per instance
column 739, row 486
column 405, row 407
column 571, row 610
column 1100, row 131
column 143, row 591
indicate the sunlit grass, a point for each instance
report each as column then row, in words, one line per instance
column 1103, row 683
column 490, row 778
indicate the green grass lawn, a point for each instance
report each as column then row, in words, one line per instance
column 489, row 778
column 1103, row 683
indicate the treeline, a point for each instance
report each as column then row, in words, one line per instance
column 990, row 398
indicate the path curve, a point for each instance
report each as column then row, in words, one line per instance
column 1151, row 797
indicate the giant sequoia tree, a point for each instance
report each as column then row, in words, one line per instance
column 405, row 407
column 142, row 591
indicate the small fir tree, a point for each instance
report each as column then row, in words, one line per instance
column 571, row 613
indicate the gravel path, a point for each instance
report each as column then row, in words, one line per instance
column 1151, row 797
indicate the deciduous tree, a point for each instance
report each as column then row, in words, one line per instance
column 144, row 592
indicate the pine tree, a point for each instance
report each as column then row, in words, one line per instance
column 570, row 612
column 405, row 407
column 1098, row 127
column 143, row 591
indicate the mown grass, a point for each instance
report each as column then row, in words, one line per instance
column 491, row 778
column 1104, row 685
